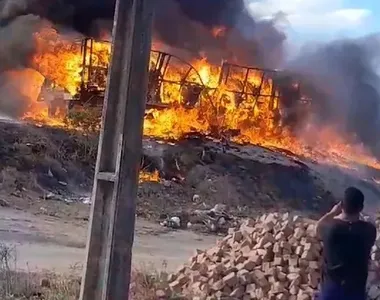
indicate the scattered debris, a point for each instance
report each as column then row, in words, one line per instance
column 85, row 200
column 161, row 294
column 50, row 196
column 4, row 203
column 45, row 283
column 216, row 219
column 275, row 256
column 196, row 198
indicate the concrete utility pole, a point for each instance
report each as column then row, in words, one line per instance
column 109, row 247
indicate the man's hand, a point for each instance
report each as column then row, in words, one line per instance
column 336, row 210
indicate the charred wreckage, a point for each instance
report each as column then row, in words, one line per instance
column 285, row 99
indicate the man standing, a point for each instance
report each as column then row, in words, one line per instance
column 347, row 242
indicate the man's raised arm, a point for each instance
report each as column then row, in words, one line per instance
column 335, row 211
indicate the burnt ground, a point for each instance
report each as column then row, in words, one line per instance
column 248, row 183
column 49, row 171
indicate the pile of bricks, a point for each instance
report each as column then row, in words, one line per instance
column 276, row 256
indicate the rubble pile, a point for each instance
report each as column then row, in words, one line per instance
column 276, row 256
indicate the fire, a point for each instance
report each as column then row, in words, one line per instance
column 208, row 73
column 58, row 59
column 29, row 84
column 219, row 31
column 218, row 108
column 218, row 112
column 149, row 177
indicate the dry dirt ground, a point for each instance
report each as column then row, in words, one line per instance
column 51, row 243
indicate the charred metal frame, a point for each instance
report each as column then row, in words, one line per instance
column 158, row 73
column 91, row 93
column 88, row 68
column 244, row 93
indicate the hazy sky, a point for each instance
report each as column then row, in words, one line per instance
column 321, row 19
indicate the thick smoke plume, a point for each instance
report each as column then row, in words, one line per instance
column 241, row 39
column 180, row 24
column 344, row 84
column 16, row 47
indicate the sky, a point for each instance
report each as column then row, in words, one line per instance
column 305, row 20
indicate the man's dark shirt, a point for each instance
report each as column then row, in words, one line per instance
column 346, row 252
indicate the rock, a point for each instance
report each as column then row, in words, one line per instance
column 50, row 195
column 237, row 236
column 176, row 220
column 196, row 198
column 218, row 286
column 4, row 203
column 278, row 287
column 161, row 294
column 222, row 221
column 166, row 183
column 303, row 296
column 238, row 292
column 231, row 279
column 45, row 283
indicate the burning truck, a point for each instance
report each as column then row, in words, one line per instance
column 174, row 82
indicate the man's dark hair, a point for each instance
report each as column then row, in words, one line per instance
column 353, row 202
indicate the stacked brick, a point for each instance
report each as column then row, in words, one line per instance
column 276, row 257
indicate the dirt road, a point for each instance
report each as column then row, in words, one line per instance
column 43, row 242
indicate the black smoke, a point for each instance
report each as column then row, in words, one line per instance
column 16, row 48
column 180, row 24
column 345, row 85
column 188, row 25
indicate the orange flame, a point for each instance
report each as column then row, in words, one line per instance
column 149, row 177
column 219, row 31
column 218, row 110
column 58, row 59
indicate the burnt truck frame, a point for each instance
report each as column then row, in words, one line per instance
column 91, row 91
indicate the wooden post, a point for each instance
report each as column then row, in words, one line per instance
column 111, row 233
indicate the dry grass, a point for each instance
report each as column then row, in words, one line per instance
column 16, row 285
column 145, row 283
